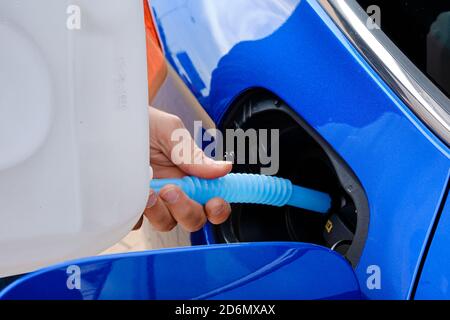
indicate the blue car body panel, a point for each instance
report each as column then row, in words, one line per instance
column 241, row 271
column 294, row 50
column 435, row 278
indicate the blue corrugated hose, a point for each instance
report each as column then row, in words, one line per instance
column 249, row 188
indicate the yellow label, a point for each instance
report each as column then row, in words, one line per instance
column 329, row 226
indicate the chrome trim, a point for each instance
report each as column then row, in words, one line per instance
column 402, row 76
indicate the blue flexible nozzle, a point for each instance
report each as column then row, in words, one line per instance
column 250, row 188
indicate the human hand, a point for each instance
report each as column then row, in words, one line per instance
column 172, row 206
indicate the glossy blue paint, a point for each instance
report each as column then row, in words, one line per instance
column 300, row 55
column 435, row 279
column 242, row 271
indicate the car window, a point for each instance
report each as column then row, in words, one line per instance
column 421, row 30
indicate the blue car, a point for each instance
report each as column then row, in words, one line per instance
column 359, row 91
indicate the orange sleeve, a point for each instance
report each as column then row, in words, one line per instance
column 156, row 64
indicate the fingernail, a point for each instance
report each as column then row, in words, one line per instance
column 222, row 163
column 170, row 196
column 218, row 210
column 208, row 161
column 152, row 198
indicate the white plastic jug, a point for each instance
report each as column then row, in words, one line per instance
column 74, row 156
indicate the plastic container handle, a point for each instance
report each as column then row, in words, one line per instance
column 250, row 188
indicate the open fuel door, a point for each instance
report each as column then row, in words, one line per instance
column 237, row 271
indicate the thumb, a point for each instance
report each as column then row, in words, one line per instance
column 207, row 169
column 203, row 166
column 197, row 163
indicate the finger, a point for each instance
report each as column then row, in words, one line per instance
column 197, row 163
column 217, row 210
column 188, row 213
column 204, row 167
column 164, row 171
column 138, row 224
column 158, row 214
column 192, row 159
